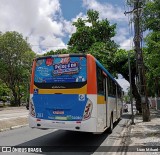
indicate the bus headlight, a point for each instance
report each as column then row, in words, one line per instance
column 31, row 108
column 88, row 110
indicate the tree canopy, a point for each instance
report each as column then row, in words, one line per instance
column 151, row 18
column 94, row 36
column 15, row 62
column 91, row 32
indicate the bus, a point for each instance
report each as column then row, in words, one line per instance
column 73, row 92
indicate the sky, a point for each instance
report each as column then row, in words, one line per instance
column 47, row 24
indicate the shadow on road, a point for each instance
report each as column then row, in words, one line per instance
column 68, row 141
column 71, row 141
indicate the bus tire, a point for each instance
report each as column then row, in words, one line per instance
column 111, row 124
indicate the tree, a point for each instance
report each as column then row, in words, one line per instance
column 59, row 51
column 15, row 62
column 4, row 92
column 121, row 67
column 95, row 39
column 98, row 42
column 151, row 22
column 104, row 53
column 151, row 15
column 86, row 36
column 152, row 57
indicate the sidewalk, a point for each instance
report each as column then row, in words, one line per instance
column 13, row 122
column 11, row 108
column 145, row 134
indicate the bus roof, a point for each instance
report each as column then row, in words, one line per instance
column 61, row 55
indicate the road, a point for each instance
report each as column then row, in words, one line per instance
column 63, row 139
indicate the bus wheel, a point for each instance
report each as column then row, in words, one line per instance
column 111, row 124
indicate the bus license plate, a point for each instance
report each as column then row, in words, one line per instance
column 58, row 112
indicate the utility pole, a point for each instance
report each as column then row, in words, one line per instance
column 137, row 12
column 130, row 81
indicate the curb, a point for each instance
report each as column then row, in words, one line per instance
column 123, row 132
column 13, row 127
column 121, row 142
column 127, row 124
column 124, row 139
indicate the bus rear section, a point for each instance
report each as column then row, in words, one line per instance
column 60, row 95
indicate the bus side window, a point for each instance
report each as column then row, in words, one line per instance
column 100, row 81
column 114, row 89
column 119, row 92
column 109, row 86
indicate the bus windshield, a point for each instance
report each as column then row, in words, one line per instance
column 60, row 72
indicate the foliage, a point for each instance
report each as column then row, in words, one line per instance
column 151, row 15
column 4, row 92
column 59, row 51
column 15, row 62
column 120, row 63
column 131, row 3
column 152, row 54
column 152, row 57
column 150, row 22
column 91, row 32
column 102, row 52
column 121, row 66
column 94, row 36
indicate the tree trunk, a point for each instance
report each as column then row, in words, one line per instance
column 137, row 96
column 19, row 96
column 15, row 97
column 19, row 101
column 146, row 112
column 134, row 91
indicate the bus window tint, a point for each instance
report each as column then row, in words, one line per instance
column 111, row 87
column 119, row 92
column 100, row 81
column 60, row 72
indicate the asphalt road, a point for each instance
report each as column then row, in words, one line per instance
column 62, row 140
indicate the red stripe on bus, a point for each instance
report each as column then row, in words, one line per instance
column 32, row 77
column 91, row 75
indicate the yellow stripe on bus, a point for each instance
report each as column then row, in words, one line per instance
column 100, row 99
column 82, row 90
